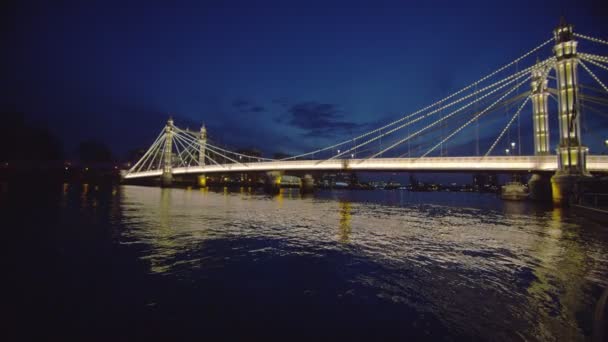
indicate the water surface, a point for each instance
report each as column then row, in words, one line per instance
column 107, row 261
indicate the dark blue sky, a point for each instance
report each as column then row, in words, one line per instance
column 277, row 75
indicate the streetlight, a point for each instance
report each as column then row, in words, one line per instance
column 507, row 151
column 352, row 156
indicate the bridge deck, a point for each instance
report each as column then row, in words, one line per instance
column 439, row 164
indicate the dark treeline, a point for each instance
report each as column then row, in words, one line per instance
column 23, row 141
column 26, row 141
column 30, row 150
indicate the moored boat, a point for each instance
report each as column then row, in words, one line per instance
column 514, row 191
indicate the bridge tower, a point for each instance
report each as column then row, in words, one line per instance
column 539, row 97
column 202, row 142
column 167, row 176
column 571, row 154
column 540, row 184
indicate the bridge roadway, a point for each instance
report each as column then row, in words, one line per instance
column 597, row 163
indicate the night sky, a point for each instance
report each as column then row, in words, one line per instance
column 281, row 76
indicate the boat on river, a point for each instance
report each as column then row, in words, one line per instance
column 514, row 191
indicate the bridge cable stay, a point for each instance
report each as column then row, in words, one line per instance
column 592, row 39
column 160, row 135
column 502, row 133
column 492, row 108
column 192, row 143
column 160, row 148
column 596, row 58
column 191, row 139
column 498, row 106
column 180, row 158
column 189, row 146
column 593, row 75
column 154, row 152
column 193, row 136
column 186, row 150
column 429, row 129
column 446, row 117
column 472, row 85
column 511, row 79
column 508, row 80
column 214, row 149
column 597, row 64
column 476, row 116
column 144, row 160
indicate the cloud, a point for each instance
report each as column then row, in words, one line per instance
column 241, row 103
column 257, row 109
column 247, row 106
column 319, row 119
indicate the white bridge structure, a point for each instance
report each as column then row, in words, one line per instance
column 549, row 90
column 437, row 164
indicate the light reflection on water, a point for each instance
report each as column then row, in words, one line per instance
column 484, row 269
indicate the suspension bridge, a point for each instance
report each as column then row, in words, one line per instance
column 549, row 88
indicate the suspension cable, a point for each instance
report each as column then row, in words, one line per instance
column 475, row 117
column 594, row 57
column 595, row 40
column 424, row 117
column 593, row 75
column 599, row 65
column 148, row 151
column 437, row 121
column 435, row 103
column 507, row 126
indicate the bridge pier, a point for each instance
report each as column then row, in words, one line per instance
column 272, row 184
column 201, row 180
column 540, row 187
column 307, row 185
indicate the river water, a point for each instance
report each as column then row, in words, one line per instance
column 102, row 262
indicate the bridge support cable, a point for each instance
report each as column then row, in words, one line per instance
column 591, row 39
column 477, row 116
column 507, row 126
column 212, row 149
column 596, row 58
column 239, row 154
column 186, row 150
column 192, row 137
column 153, row 151
column 152, row 147
column 450, row 115
column 593, row 75
column 156, row 155
column 511, row 79
column 191, row 148
column 193, row 143
column 597, row 64
column 470, row 86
